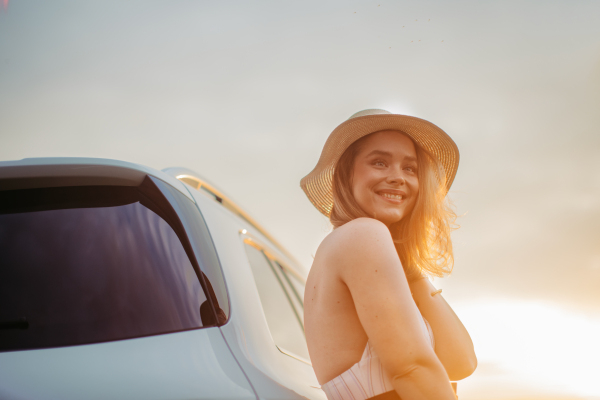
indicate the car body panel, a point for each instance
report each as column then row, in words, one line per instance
column 238, row 360
column 195, row 364
column 274, row 374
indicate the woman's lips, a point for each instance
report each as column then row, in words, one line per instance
column 396, row 198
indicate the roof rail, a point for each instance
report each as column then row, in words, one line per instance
column 194, row 180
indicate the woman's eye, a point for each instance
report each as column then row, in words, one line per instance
column 411, row 169
column 379, row 163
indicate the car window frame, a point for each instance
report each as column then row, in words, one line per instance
column 273, row 260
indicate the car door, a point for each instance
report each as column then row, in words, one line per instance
column 281, row 291
column 264, row 330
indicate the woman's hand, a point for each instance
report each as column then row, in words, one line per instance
column 453, row 345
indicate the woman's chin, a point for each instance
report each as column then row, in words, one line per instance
column 389, row 218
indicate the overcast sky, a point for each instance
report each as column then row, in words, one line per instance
column 246, row 93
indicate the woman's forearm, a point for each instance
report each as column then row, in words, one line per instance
column 453, row 345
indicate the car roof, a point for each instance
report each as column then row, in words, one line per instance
column 78, row 171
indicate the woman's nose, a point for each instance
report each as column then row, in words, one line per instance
column 397, row 179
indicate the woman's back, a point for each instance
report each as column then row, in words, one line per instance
column 335, row 336
column 355, row 266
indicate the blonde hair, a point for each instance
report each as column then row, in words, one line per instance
column 422, row 238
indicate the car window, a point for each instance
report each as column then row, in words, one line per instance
column 92, row 264
column 287, row 279
column 282, row 319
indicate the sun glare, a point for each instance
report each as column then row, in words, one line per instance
column 535, row 345
column 398, row 108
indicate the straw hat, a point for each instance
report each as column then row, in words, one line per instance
column 318, row 184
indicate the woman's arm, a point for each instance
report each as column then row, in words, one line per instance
column 364, row 258
column 453, row 344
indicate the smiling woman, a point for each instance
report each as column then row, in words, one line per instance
column 396, row 168
column 378, row 171
column 375, row 327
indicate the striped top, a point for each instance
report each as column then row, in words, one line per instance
column 366, row 378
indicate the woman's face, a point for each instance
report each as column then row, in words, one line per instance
column 384, row 182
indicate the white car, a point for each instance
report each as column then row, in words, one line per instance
column 118, row 281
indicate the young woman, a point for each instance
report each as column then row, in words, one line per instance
column 376, row 327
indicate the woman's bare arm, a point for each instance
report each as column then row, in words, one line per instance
column 363, row 253
column 453, row 344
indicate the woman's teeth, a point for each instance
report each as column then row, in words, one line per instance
column 392, row 196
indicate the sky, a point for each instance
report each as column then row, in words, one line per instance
column 246, row 93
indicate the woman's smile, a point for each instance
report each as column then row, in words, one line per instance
column 384, row 182
column 393, row 196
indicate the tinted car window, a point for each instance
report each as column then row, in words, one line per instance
column 90, row 264
column 283, row 321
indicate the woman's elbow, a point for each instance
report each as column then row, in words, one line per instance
column 462, row 369
column 412, row 366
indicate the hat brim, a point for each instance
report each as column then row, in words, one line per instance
column 318, row 183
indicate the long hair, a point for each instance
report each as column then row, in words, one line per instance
column 422, row 237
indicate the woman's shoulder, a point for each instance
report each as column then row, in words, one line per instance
column 358, row 234
column 360, row 229
column 357, row 250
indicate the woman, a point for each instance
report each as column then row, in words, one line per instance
column 375, row 326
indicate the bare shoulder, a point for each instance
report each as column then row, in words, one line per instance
column 360, row 241
column 362, row 227
column 360, row 230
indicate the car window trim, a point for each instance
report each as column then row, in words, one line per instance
column 270, row 253
column 250, row 241
column 269, row 257
column 288, row 280
column 293, row 355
